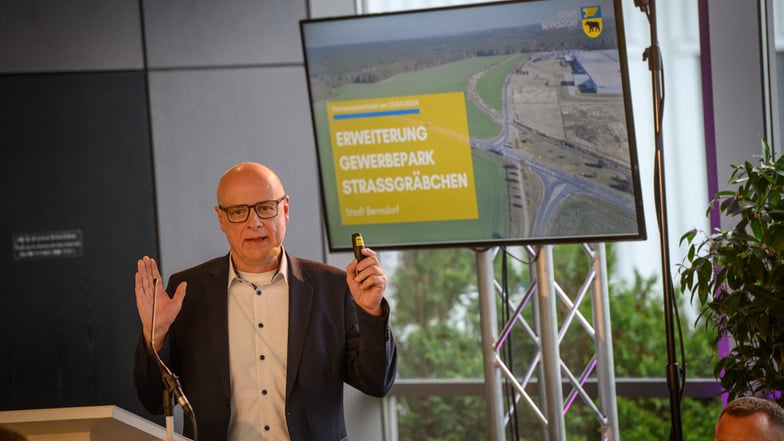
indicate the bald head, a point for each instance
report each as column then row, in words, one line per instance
column 248, row 176
column 750, row 418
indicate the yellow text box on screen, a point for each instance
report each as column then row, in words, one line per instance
column 403, row 159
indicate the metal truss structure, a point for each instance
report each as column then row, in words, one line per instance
column 558, row 385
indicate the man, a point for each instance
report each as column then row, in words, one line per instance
column 262, row 341
column 750, row 419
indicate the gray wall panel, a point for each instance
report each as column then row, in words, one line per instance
column 51, row 35
column 76, row 159
column 737, row 92
column 204, row 122
column 331, row 8
column 184, row 33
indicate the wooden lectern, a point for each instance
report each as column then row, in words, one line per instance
column 91, row 423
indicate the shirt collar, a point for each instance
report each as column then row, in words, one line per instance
column 281, row 271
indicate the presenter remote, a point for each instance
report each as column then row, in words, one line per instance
column 357, row 243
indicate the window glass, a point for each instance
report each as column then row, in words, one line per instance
column 434, row 291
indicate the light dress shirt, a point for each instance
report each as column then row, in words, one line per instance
column 258, row 343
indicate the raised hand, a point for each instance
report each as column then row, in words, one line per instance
column 149, row 284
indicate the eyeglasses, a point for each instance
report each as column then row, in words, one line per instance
column 264, row 209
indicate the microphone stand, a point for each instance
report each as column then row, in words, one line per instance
column 172, row 388
column 653, row 56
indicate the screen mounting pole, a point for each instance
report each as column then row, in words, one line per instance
column 653, row 56
column 487, row 309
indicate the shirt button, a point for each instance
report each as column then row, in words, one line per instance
column 261, row 325
column 258, row 292
column 264, row 392
column 267, row 428
column 262, row 357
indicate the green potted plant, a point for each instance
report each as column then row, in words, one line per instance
column 738, row 276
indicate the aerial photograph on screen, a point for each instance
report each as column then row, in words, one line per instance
column 506, row 122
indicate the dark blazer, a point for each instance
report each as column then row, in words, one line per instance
column 326, row 332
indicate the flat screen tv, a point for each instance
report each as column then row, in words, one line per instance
column 484, row 125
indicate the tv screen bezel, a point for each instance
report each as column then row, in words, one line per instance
column 340, row 244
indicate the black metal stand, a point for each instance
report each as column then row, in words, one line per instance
column 653, row 56
column 173, row 390
column 168, row 414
